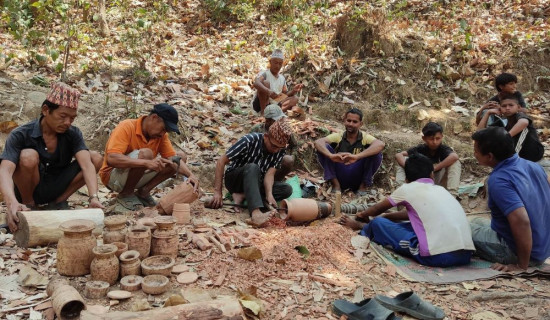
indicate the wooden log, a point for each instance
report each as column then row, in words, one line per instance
column 182, row 193
column 201, row 242
column 41, row 228
column 217, row 244
column 230, row 309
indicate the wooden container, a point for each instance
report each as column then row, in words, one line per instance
column 182, row 193
column 155, row 284
column 130, row 263
column 67, row 302
column 302, row 210
column 115, row 229
column 182, row 213
column 55, row 282
column 157, row 265
column 74, row 249
column 165, row 238
column 121, row 247
column 139, row 238
column 131, row 283
column 105, row 265
column 96, row 289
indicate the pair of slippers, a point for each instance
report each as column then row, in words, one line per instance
column 382, row 308
column 134, row 202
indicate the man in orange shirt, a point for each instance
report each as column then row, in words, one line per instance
column 132, row 167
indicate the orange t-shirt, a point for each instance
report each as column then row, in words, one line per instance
column 127, row 137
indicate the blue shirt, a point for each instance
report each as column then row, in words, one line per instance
column 516, row 183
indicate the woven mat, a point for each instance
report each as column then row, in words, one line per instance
column 477, row 270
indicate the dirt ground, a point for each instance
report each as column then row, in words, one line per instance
column 288, row 285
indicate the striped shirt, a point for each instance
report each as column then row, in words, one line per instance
column 250, row 149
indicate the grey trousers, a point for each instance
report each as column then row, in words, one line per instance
column 249, row 180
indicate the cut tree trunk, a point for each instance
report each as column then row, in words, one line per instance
column 103, row 26
column 41, row 228
column 229, row 308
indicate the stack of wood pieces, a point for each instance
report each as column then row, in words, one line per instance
column 224, row 239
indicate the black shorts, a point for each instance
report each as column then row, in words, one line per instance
column 256, row 104
column 52, row 184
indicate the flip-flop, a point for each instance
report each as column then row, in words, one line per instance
column 147, row 201
column 131, row 202
column 361, row 193
column 63, row 205
column 411, row 304
column 366, row 309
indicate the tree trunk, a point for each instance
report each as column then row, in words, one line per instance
column 40, row 228
column 103, row 26
column 182, row 193
column 229, row 308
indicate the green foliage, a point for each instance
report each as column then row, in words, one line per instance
column 227, row 10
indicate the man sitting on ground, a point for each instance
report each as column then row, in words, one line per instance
column 350, row 158
column 271, row 86
column 273, row 113
column 131, row 165
column 446, row 165
column 516, row 237
column 438, row 233
column 253, row 161
column 38, row 159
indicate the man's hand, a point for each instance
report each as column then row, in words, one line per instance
column 95, row 203
column 338, row 157
column 494, row 111
column 156, row 164
column 507, row 267
column 271, row 200
column 194, row 182
column 490, row 105
column 13, row 220
column 217, row 200
column 298, row 87
column 350, row 158
column 273, row 95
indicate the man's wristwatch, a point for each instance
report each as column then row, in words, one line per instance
column 93, row 196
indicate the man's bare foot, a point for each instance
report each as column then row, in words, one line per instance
column 238, row 198
column 259, row 218
column 351, row 223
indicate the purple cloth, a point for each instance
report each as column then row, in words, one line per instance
column 352, row 175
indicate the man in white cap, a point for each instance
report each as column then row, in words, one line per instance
column 271, row 86
column 273, row 113
column 37, row 165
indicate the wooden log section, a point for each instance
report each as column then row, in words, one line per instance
column 228, row 308
column 41, row 228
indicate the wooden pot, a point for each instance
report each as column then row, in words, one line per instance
column 302, row 210
column 67, row 302
column 165, row 238
column 182, row 193
column 155, row 284
column 139, row 238
column 115, row 229
column 105, row 265
column 74, row 249
column 130, row 263
column 157, row 265
column 182, row 213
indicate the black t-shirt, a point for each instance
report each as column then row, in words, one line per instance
column 517, row 95
column 29, row 136
column 440, row 154
column 531, row 149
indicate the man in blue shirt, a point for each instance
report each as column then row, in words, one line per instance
column 519, row 200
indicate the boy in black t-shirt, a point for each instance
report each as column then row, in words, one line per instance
column 447, row 168
column 505, row 83
column 519, row 126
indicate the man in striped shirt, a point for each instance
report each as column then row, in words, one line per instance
column 251, row 164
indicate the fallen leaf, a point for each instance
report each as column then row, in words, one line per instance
column 174, row 300
column 303, row 250
column 28, row 277
column 8, row 126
